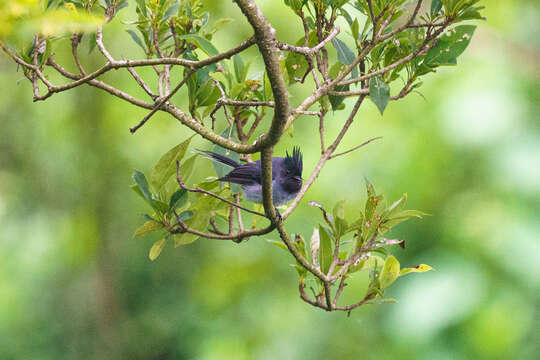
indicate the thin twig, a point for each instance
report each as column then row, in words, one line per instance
column 355, row 148
column 199, row 190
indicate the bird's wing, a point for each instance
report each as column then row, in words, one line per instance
column 246, row 174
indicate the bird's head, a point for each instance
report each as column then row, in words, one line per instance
column 293, row 170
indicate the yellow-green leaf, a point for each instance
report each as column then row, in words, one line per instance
column 390, row 272
column 147, row 227
column 156, row 249
column 417, row 268
column 326, row 254
column 279, row 244
column 166, row 166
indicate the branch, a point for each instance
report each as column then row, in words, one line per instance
column 199, row 190
column 324, row 158
column 406, row 25
column 305, row 50
column 162, row 101
column 355, row 148
column 266, row 41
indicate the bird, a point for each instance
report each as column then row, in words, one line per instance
column 286, row 176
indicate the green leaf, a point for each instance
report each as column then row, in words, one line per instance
column 171, row 11
column 390, row 272
column 207, row 94
column 341, row 225
column 178, row 199
column 166, row 166
column 147, row 227
column 142, row 183
column 345, row 55
column 337, row 101
column 296, row 66
column 142, row 6
column 379, row 93
column 417, row 268
column 396, row 207
column 137, row 39
column 240, row 69
column 295, row 4
column 355, row 30
column 279, row 244
column 436, row 6
column 156, row 249
column 186, row 215
column 326, row 253
column 137, row 190
column 187, row 166
column 450, row 46
column 202, row 43
column 199, row 219
column 160, row 206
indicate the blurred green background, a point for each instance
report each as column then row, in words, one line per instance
column 75, row 285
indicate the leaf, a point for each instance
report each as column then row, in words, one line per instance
column 166, row 166
column 207, row 94
column 296, row 66
column 240, row 69
column 147, row 227
column 178, row 199
column 171, row 11
column 199, row 219
column 202, row 43
column 142, row 183
column 417, row 268
column 398, row 218
column 295, row 4
column 156, row 249
column 279, row 244
column 345, row 55
column 337, row 100
column 314, row 245
column 300, row 244
column 379, row 93
column 355, row 30
column 203, row 74
column 390, row 272
column 142, row 5
column 450, row 46
column 187, row 166
column 341, row 225
column 326, row 254
column 436, row 6
column 137, row 39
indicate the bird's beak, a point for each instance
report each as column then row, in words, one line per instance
column 299, row 178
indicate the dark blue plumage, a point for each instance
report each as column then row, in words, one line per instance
column 286, row 176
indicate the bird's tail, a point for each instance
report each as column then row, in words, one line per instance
column 219, row 158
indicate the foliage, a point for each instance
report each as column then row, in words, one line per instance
column 388, row 42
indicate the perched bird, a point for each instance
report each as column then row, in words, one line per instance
column 286, row 176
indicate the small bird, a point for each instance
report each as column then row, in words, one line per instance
column 286, row 176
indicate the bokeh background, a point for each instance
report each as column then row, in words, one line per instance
column 75, row 285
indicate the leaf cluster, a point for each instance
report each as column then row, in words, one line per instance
column 341, row 247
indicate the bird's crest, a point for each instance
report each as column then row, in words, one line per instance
column 294, row 162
